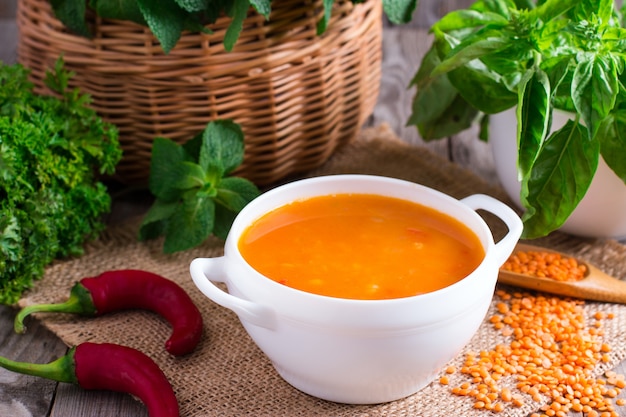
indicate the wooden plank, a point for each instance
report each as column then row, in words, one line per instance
column 8, row 9
column 8, row 41
column 23, row 395
column 72, row 401
column 403, row 49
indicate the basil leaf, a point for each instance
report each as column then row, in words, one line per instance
column 594, row 89
column 551, row 9
column 558, row 180
column 612, row 135
column 399, row 11
column 222, row 148
column 501, row 7
column 475, row 46
column 533, row 117
column 191, row 224
column 434, row 95
column 585, row 8
column 457, row 117
column 525, row 4
column 557, row 69
column 468, row 18
column 478, row 87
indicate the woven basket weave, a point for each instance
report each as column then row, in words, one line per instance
column 298, row 96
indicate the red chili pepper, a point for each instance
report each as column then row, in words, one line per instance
column 131, row 289
column 109, row 367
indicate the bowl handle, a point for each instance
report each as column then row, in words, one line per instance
column 202, row 268
column 505, row 246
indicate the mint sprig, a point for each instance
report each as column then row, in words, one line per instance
column 195, row 197
column 168, row 19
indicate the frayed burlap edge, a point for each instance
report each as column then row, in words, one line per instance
column 228, row 375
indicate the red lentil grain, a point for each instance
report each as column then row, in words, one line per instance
column 553, row 351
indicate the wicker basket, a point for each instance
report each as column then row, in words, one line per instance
column 298, row 96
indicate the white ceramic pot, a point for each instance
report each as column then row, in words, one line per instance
column 602, row 211
column 358, row 351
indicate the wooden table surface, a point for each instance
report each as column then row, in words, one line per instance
column 24, row 396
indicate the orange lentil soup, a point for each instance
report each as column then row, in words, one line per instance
column 361, row 246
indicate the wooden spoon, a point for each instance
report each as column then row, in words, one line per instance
column 596, row 285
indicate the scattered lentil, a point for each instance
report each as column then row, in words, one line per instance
column 545, row 264
column 551, row 358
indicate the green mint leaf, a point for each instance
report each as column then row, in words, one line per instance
column 166, row 169
column 224, row 219
column 238, row 14
column 165, row 19
column 192, row 5
column 72, row 14
column 399, row 11
column 193, row 146
column 533, row 117
column 264, row 7
column 191, row 224
column 328, row 11
column 235, row 193
column 558, row 180
column 594, row 89
column 154, row 221
column 194, row 200
column 119, row 9
column 222, row 147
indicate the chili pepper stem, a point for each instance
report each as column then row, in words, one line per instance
column 79, row 302
column 61, row 369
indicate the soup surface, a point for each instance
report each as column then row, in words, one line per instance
column 361, row 246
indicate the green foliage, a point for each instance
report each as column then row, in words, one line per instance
column 51, row 152
column 167, row 19
column 195, row 197
column 538, row 56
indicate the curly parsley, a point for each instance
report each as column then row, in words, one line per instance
column 52, row 151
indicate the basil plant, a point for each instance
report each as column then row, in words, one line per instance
column 536, row 57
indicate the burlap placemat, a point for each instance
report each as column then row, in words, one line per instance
column 228, row 375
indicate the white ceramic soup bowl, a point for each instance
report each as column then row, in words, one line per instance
column 359, row 351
